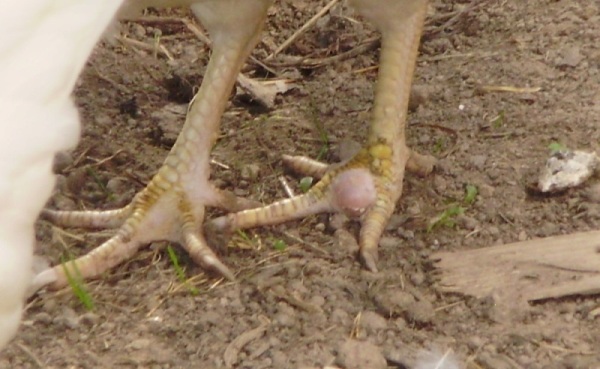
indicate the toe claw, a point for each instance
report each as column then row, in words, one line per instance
column 370, row 258
column 45, row 278
column 219, row 267
column 199, row 251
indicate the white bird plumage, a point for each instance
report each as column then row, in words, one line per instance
column 43, row 47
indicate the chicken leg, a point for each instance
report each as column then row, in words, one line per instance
column 171, row 207
column 368, row 185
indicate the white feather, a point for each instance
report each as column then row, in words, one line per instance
column 436, row 360
column 43, row 47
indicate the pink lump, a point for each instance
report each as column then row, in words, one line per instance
column 353, row 191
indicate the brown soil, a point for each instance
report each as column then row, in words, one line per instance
column 297, row 307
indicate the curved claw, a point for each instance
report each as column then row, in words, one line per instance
column 369, row 259
column 195, row 245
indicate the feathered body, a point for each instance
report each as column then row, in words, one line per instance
column 43, row 47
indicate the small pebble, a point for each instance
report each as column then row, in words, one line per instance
column 116, row 185
column 406, row 234
column 485, row 190
column 43, row 318
column 343, row 240
column 67, row 318
column 250, row 172
column 62, row 160
column 138, row 30
column 89, row 319
column 417, row 278
column 389, row 242
column 467, row 222
column 360, row 355
column 139, row 344
column 593, row 193
column 284, row 319
column 440, row 184
column 478, row 162
column 571, row 57
column 371, row 321
column 421, row 312
column 414, row 209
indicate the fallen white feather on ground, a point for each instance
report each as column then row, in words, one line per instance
column 436, row 360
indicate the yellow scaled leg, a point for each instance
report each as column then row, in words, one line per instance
column 172, row 206
column 368, row 185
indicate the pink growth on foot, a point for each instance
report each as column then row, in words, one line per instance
column 353, row 191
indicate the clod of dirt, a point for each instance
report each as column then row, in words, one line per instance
column 169, row 121
column 76, row 180
column 571, row 57
column 395, row 301
column 130, row 107
column 419, row 94
column 496, row 361
column 181, row 87
column 250, row 171
column 64, row 203
column 421, row 312
column 67, row 319
column 61, row 161
column 371, row 321
column 117, row 185
column 389, row 242
column 593, row 193
column 231, row 352
column 344, row 244
column 581, row 361
column 89, row 319
column 360, row 355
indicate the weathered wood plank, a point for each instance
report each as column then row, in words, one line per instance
column 530, row 270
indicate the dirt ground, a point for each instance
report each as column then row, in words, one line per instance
column 302, row 299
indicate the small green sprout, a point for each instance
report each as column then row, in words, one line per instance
column 180, row 272
column 322, row 132
column 446, row 218
column 279, row 245
column 305, row 184
column 77, row 284
column 92, row 173
column 498, row 120
column 556, row 147
column 244, row 236
column 470, row 194
column 439, row 145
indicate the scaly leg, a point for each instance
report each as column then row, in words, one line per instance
column 171, row 207
column 368, row 185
